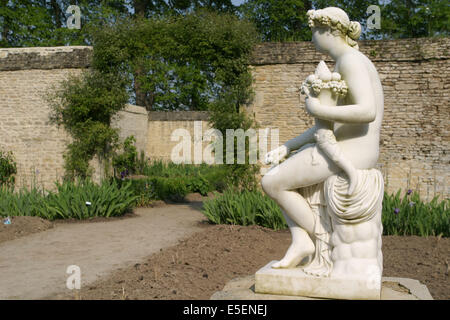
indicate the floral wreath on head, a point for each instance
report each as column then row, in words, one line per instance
column 321, row 18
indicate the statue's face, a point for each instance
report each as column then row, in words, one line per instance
column 321, row 37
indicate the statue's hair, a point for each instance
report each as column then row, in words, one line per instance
column 339, row 23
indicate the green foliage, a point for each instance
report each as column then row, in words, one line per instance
column 143, row 189
column 77, row 200
column 222, row 118
column 408, row 215
column 244, row 208
column 172, row 189
column 279, row 20
column 22, row 203
column 157, row 188
column 85, row 106
column 183, row 6
column 177, row 62
column 414, row 19
column 404, row 216
column 8, row 169
column 286, row 20
column 199, row 184
column 28, row 23
column 43, row 23
column 194, row 62
column 169, row 181
column 159, row 168
column 127, row 161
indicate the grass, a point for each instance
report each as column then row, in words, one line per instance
column 78, row 200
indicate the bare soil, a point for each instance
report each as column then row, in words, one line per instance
column 203, row 263
column 22, row 226
column 34, row 266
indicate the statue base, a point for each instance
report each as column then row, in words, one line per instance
column 295, row 282
column 391, row 289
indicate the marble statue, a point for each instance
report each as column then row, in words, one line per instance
column 327, row 186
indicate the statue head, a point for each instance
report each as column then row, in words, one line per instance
column 331, row 24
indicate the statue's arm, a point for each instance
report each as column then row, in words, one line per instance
column 299, row 141
column 360, row 91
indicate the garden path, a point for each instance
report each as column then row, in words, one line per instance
column 34, row 266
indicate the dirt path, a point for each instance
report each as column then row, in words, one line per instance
column 35, row 266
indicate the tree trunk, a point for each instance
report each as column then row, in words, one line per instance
column 140, row 8
column 56, row 13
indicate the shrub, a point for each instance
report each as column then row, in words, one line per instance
column 85, row 106
column 157, row 188
column 8, row 168
column 173, row 189
column 169, row 181
column 78, row 200
column 244, row 208
column 126, row 162
column 215, row 177
column 199, row 184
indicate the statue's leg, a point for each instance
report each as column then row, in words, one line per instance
column 281, row 184
column 302, row 245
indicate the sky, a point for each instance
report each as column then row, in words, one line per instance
column 237, row 2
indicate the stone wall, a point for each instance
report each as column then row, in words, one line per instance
column 133, row 121
column 26, row 75
column 414, row 138
column 415, row 141
column 162, row 125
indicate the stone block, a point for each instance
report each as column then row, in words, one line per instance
column 295, row 282
column 391, row 289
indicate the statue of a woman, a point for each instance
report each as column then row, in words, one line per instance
column 357, row 123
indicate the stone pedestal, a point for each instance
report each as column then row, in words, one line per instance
column 391, row 289
column 295, row 282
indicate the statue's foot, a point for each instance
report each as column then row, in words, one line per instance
column 295, row 254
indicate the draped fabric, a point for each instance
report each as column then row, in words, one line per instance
column 321, row 265
column 365, row 202
column 329, row 200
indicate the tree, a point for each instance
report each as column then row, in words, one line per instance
column 27, row 23
column 286, row 20
column 414, row 19
column 197, row 61
column 279, row 20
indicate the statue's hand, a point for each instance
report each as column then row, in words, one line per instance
column 312, row 104
column 275, row 156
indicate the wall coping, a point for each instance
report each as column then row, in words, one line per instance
column 417, row 49
column 131, row 108
column 178, row 116
column 66, row 57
